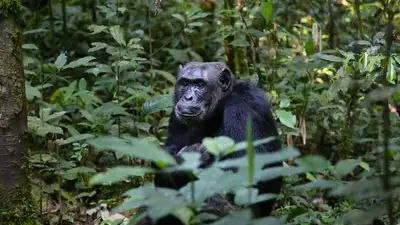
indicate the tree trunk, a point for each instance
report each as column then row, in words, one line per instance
column 16, row 205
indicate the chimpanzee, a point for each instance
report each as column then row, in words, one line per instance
column 209, row 102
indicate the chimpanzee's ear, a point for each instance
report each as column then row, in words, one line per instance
column 225, row 79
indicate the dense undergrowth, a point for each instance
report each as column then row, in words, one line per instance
column 99, row 76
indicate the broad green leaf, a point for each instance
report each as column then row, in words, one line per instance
column 309, row 47
column 61, row 60
column 80, row 62
column 31, row 92
column 88, row 116
column 364, row 165
column 286, row 118
column 97, row 46
column 118, row 35
column 48, row 129
column 391, row 73
column 133, row 147
column 179, row 17
column 70, row 90
column 76, row 138
column 195, row 24
column 56, row 115
column 97, row 28
column 346, row 166
column 240, row 43
column 218, row 144
column 284, row 103
column 30, row 46
column 245, row 196
column 261, row 159
column 267, row 11
column 118, row 174
column 330, row 58
column 82, row 85
column 313, row 163
column 199, row 15
column 157, row 103
column 100, row 68
column 43, row 158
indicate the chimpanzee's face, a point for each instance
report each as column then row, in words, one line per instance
column 198, row 90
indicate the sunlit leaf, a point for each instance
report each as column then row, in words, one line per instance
column 391, row 73
column 80, row 62
column 346, row 166
column 179, row 17
column 76, row 138
column 97, row 28
column 267, row 11
column 61, row 60
column 30, row 46
column 286, row 118
column 117, row 34
column 133, row 147
column 118, row 174
column 157, row 103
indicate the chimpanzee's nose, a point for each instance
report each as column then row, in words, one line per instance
column 188, row 97
column 188, row 110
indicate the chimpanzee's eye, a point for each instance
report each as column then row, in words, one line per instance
column 184, row 83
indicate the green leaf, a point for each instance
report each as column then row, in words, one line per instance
column 48, row 129
column 157, row 103
column 70, row 90
column 100, row 68
column 240, row 43
column 313, row 163
column 391, row 73
column 118, row 174
column 76, row 138
column 195, row 24
column 31, row 92
column 30, row 46
column 309, row 47
column 266, row 11
column 364, row 165
column 286, row 118
column 61, row 60
column 80, row 62
column 179, row 17
column 346, row 166
column 88, row 116
column 133, row 147
column 97, row 28
column 97, row 46
column 118, row 35
column 330, row 58
column 199, row 15
column 218, row 144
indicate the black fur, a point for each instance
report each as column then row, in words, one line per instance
column 229, row 119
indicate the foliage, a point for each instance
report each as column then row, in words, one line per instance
column 99, row 78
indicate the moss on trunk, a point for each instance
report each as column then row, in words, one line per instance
column 16, row 204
